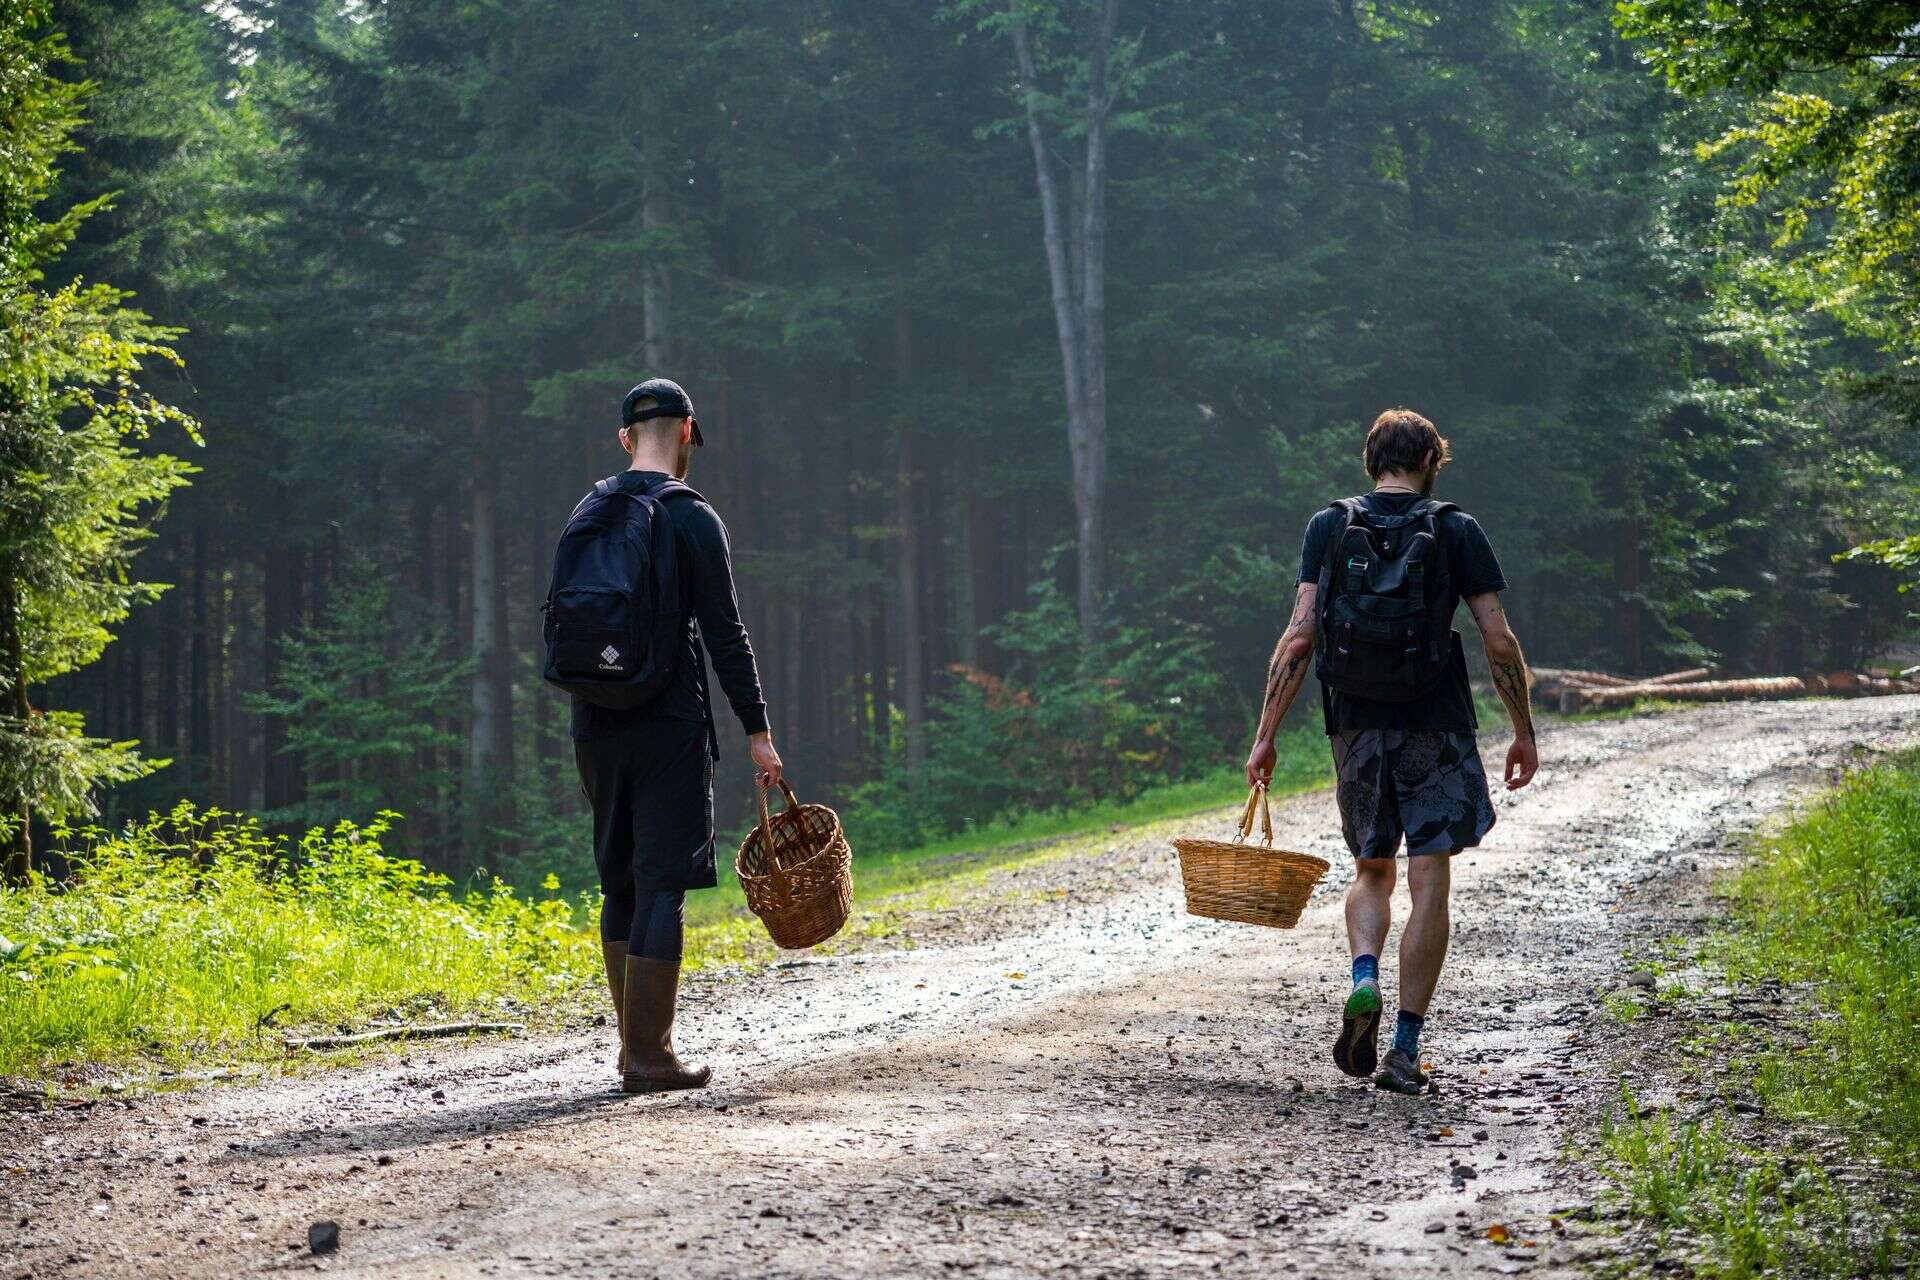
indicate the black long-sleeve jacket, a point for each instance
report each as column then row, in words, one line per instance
column 706, row 567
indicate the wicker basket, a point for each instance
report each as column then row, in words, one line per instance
column 1252, row 884
column 797, row 871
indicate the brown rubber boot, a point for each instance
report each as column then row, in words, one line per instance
column 651, row 1066
column 614, row 954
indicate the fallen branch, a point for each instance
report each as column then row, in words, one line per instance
column 433, row 1032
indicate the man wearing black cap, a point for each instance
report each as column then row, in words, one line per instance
column 648, row 772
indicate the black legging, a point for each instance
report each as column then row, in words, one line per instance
column 650, row 922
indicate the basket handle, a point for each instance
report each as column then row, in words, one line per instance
column 766, row 830
column 1257, row 800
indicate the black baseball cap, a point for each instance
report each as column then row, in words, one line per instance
column 670, row 400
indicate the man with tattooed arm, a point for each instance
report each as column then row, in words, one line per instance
column 1376, row 602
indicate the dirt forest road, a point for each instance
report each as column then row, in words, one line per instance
column 1081, row 1081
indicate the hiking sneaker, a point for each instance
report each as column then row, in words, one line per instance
column 1400, row 1074
column 1357, row 1049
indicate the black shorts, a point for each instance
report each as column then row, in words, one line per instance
column 651, row 787
column 1425, row 784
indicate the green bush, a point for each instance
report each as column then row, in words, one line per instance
column 181, row 936
column 1069, row 727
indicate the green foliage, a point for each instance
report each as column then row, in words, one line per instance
column 1071, row 725
column 1831, row 906
column 1902, row 555
column 1829, row 143
column 1821, row 205
column 1760, row 1214
column 51, row 765
column 75, row 422
column 1834, row 902
column 179, row 937
column 365, row 694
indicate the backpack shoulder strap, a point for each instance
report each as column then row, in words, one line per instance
column 1350, row 511
column 665, row 489
column 1429, row 511
column 601, row 489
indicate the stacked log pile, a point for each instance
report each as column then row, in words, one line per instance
column 1571, row 690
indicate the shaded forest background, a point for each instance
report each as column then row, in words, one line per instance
column 418, row 251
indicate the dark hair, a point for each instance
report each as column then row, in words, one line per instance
column 1402, row 440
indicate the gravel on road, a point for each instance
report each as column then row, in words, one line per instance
column 1059, row 1074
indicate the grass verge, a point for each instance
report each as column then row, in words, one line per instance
column 1828, row 911
column 194, row 936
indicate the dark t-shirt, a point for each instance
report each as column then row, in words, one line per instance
column 1471, row 569
column 706, row 567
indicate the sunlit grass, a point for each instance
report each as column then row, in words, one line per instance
column 194, row 937
column 1763, row 1214
column 1834, row 902
column 1830, row 907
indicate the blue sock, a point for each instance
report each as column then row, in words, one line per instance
column 1366, row 968
column 1406, row 1034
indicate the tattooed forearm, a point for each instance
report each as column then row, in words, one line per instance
column 1511, row 681
column 1287, row 670
column 1508, row 665
column 1284, row 676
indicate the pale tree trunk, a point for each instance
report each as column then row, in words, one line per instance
column 1076, row 273
column 483, row 733
column 1090, row 482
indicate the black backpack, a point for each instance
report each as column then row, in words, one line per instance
column 1386, row 603
column 616, row 611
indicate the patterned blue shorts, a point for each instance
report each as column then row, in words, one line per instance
column 1427, row 785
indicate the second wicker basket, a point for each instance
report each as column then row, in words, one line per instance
column 1247, row 883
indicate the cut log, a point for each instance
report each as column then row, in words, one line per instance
column 1565, row 675
column 1559, row 686
column 1690, row 676
column 433, row 1032
column 1764, row 687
